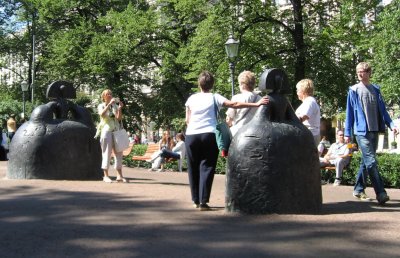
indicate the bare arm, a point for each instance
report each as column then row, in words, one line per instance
column 109, row 106
column 303, row 118
column 187, row 115
column 236, row 104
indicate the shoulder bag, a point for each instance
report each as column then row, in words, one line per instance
column 120, row 138
column 222, row 132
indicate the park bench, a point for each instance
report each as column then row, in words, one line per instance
column 151, row 149
column 330, row 168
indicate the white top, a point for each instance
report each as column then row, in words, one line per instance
column 310, row 108
column 180, row 149
column 202, row 113
column 243, row 115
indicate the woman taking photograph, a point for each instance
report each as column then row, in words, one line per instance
column 110, row 112
column 201, row 145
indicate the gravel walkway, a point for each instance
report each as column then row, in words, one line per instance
column 152, row 216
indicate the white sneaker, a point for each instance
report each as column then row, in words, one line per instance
column 337, row 182
column 107, row 179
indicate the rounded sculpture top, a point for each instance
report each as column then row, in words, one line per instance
column 274, row 79
column 61, row 89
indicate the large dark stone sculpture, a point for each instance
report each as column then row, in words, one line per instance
column 273, row 164
column 57, row 142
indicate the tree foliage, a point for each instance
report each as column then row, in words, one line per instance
column 132, row 45
column 385, row 46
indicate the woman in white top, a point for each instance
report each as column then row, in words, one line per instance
column 308, row 112
column 110, row 112
column 201, row 145
column 236, row 118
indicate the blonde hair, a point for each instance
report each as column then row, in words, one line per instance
column 364, row 66
column 103, row 94
column 306, row 86
column 248, row 79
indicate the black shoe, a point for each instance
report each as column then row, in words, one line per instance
column 204, row 207
column 382, row 198
column 196, row 205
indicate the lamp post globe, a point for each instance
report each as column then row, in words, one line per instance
column 24, row 88
column 232, row 49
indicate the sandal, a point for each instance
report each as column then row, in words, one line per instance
column 122, row 180
column 107, row 179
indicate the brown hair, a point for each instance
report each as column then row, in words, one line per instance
column 206, row 81
column 180, row 136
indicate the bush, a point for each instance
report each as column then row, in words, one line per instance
column 388, row 165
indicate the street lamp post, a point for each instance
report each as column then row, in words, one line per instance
column 24, row 88
column 232, row 49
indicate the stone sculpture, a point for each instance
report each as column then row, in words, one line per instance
column 273, row 163
column 57, row 142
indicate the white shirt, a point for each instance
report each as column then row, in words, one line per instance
column 202, row 112
column 243, row 115
column 180, row 149
column 310, row 108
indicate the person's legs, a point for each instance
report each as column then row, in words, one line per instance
column 208, row 162
column 118, row 167
column 170, row 154
column 367, row 145
column 340, row 164
column 193, row 156
column 106, row 148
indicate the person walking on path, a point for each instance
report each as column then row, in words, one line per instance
column 110, row 112
column 201, row 144
column 308, row 112
column 366, row 116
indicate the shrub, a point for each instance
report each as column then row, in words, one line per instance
column 388, row 166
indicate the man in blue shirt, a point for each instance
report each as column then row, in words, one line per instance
column 366, row 116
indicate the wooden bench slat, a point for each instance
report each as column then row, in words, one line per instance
column 151, row 148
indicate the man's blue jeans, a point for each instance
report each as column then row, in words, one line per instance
column 368, row 144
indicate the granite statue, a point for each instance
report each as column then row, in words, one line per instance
column 57, row 142
column 273, row 163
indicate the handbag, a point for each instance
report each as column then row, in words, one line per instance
column 121, row 139
column 222, row 132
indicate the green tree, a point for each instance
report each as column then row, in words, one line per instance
column 385, row 44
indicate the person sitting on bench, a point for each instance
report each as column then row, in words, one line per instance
column 338, row 155
column 178, row 152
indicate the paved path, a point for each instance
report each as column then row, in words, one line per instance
column 152, row 217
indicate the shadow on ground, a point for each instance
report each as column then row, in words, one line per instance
column 53, row 223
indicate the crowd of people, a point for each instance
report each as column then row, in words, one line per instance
column 366, row 116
